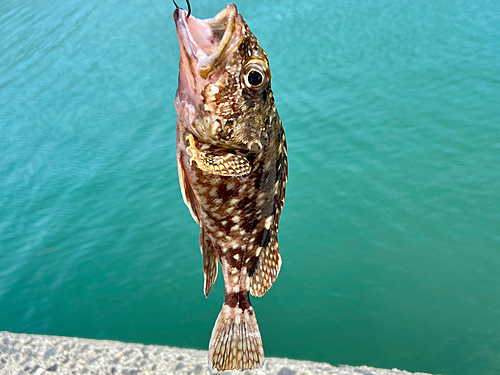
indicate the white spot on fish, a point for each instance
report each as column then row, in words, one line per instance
column 268, row 222
column 202, row 189
column 212, row 89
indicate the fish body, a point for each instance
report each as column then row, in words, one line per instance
column 232, row 164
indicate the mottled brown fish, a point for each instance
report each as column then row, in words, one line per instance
column 232, row 163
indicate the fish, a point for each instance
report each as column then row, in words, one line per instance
column 233, row 169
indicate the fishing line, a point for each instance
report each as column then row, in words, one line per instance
column 189, row 7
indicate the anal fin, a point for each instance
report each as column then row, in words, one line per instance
column 209, row 263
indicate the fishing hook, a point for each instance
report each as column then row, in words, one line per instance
column 189, row 7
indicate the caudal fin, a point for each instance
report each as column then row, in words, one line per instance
column 236, row 341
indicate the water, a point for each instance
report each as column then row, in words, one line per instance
column 390, row 234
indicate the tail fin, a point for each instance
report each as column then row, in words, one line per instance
column 236, row 341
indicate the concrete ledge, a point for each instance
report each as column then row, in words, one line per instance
column 47, row 355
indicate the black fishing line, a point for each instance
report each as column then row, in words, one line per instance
column 189, row 7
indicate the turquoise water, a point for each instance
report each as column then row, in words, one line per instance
column 390, row 234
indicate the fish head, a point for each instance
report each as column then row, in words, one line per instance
column 224, row 95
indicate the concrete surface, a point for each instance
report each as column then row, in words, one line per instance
column 47, row 355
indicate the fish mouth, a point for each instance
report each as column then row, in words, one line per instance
column 206, row 43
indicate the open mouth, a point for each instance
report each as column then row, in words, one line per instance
column 206, row 41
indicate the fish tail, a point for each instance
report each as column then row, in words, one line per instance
column 236, row 341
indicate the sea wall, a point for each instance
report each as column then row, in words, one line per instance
column 47, row 355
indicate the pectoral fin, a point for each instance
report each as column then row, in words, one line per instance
column 219, row 163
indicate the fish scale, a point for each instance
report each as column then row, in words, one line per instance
column 232, row 163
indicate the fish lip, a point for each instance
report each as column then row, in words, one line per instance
column 186, row 40
column 188, row 30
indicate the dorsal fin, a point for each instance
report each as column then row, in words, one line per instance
column 268, row 265
column 269, row 259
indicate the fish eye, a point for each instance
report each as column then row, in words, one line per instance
column 255, row 77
